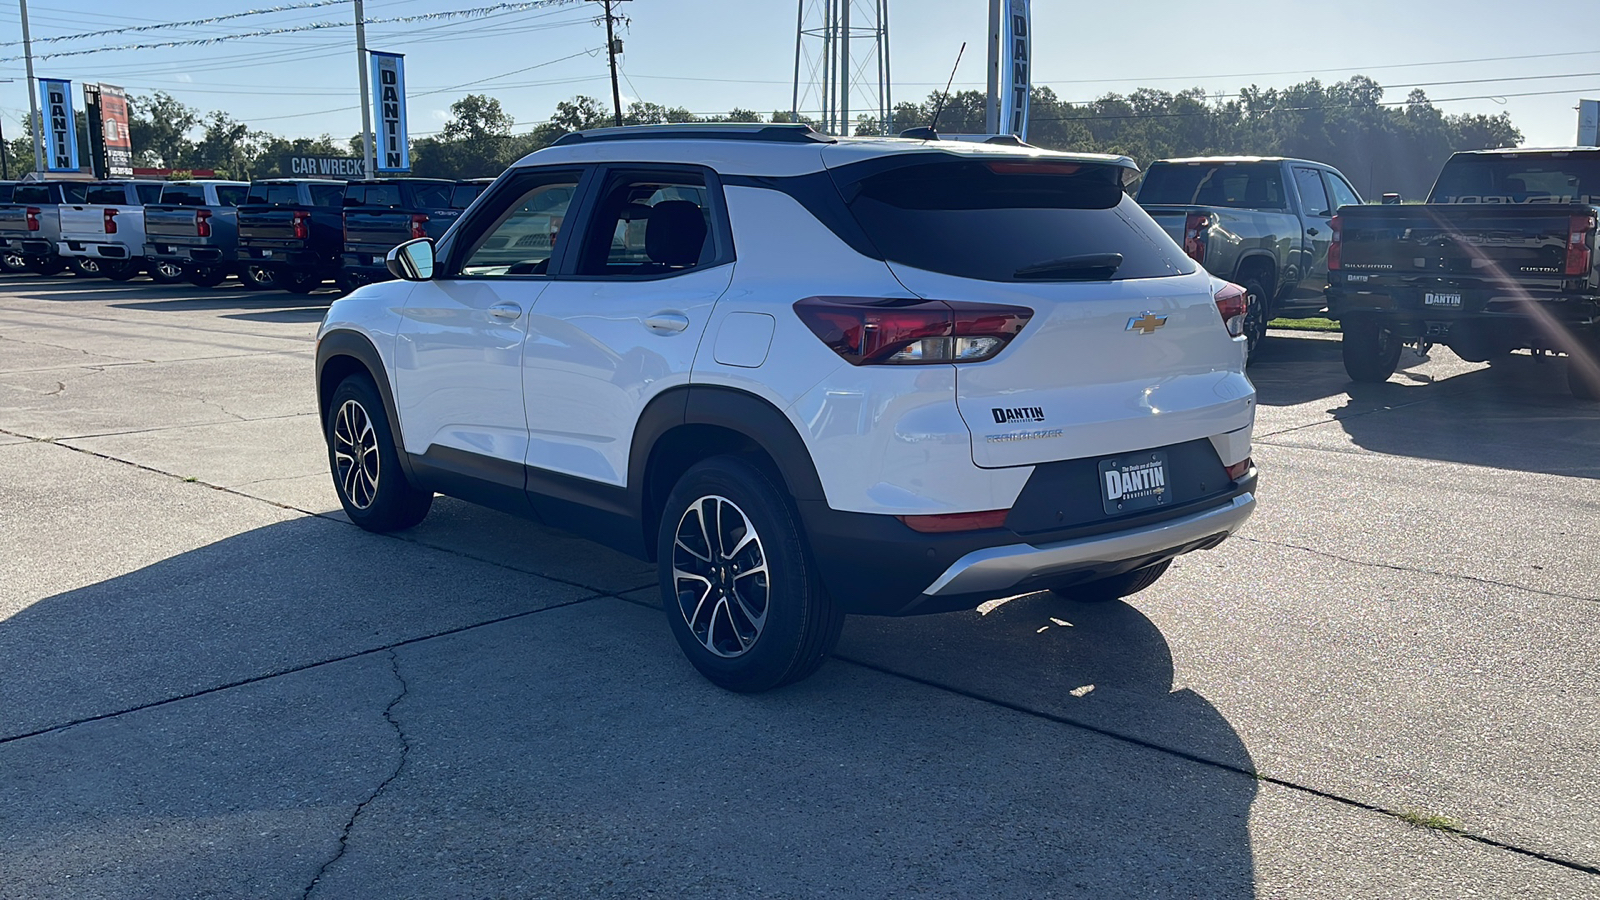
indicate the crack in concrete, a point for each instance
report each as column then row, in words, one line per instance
column 400, row 764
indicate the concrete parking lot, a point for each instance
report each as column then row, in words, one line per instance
column 211, row 685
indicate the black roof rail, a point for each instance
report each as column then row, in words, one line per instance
column 779, row 133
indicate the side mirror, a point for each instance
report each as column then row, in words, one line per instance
column 1391, row 199
column 412, row 261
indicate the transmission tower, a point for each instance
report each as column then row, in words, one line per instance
column 841, row 64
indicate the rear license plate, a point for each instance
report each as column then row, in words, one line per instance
column 377, row 260
column 1134, row 482
column 266, row 254
column 1448, row 301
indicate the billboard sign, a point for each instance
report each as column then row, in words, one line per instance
column 114, row 137
column 1016, row 64
column 1589, row 123
column 60, row 126
column 302, row 166
column 389, row 99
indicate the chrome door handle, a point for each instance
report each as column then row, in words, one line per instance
column 508, row 311
column 667, row 323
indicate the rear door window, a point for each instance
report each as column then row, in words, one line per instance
column 1313, row 198
column 33, row 193
column 1010, row 220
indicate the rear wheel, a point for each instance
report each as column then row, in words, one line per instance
column 119, row 269
column 259, row 278
column 742, row 596
column 1583, row 371
column 1116, row 587
column 1255, row 317
column 205, row 276
column 1371, row 352
column 165, row 271
column 13, row 263
column 45, row 265
column 86, row 266
column 347, row 281
column 299, row 281
column 372, row 487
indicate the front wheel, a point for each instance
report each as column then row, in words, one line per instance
column 165, row 271
column 741, row 594
column 365, row 463
column 1371, row 352
column 1116, row 587
column 206, row 276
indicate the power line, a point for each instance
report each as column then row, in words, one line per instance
column 160, row 26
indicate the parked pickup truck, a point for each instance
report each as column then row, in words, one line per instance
column 1501, row 257
column 192, row 232
column 1260, row 222
column 291, row 231
column 379, row 215
column 104, row 235
column 30, row 225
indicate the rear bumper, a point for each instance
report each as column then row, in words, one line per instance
column 287, row 258
column 198, row 253
column 30, row 246
column 1508, row 315
column 95, row 249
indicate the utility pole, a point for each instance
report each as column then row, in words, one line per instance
column 368, row 162
column 991, row 112
column 33, row 93
column 612, row 47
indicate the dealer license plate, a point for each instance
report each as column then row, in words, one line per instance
column 1448, row 301
column 266, row 254
column 1134, row 482
column 377, row 260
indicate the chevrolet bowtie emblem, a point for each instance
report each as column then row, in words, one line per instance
column 1146, row 324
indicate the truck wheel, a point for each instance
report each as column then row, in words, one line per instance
column 347, row 281
column 165, row 271
column 259, row 278
column 119, row 269
column 45, row 265
column 84, row 266
column 1371, row 352
column 1255, row 320
column 1116, row 587
column 13, row 263
column 205, row 276
column 299, row 282
column 1583, row 372
column 372, row 487
column 741, row 594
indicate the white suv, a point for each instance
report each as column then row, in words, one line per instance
column 805, row 376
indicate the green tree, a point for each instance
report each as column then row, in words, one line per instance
column 159, row 127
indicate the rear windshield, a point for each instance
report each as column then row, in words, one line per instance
column 106, row 194
column 5, row 192
column 1518, row 179
column 183, row 195
column 267, row 194
column 399, row 195
column 1011, row 220
column 463, row 195
column 1232, row 185
column 429, row 196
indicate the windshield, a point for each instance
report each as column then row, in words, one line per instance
column 1011, row 220
column 1519, row 178
column 1230, row 185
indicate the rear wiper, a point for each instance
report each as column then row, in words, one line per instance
column 1088, row 266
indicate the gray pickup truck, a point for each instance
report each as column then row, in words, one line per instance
column 192, row 231
column 1260, row 222
column 30, row 225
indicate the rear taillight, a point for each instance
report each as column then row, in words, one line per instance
column 1194, row 235
column 302, row 225
column 202, row 223
column 111, row 221
column 419, row 225
column 1234, row 303
column 1335, row 244
column 868, row 332
column 1240, row 469
column 1580, row 254
column 33, row 218
column 944, row 524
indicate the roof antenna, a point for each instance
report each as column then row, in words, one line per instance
column 931, row 133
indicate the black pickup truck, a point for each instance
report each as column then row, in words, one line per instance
column 291, row 231
column 1502, row 257
column 381, row 214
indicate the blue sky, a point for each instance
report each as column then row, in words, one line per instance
column 712, row 55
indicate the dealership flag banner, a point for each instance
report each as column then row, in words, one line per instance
column 60, row 126
column 389, row 98
column 114, row 135
column 1016, row 62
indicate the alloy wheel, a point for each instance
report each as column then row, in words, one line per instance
column 720, row 577
column 355, row 454
column 88, row 266
column 15, row 262
column 169, row 270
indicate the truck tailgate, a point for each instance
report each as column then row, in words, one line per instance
column 375, row 229
column 169, row 223
column 84, row 223
column 1471, row 244
column 1171, row 219
column 267, row 227
column 14, row 220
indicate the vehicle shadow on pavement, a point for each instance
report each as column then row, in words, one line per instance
column 524, row 745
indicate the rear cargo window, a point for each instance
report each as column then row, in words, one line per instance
column 1519, row 179
column 183, row 195
column 106, row 194
column 274, row 194
column 1231, row 185
column 1011, row 220
column 147, row 193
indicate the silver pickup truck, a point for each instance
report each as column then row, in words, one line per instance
column 1260, row 222
column 30, row 225
column 104, row 235
column 192, row 231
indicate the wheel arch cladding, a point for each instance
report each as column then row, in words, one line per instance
column 341, row 354
column 1262, row 265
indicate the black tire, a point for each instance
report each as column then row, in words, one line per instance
column 205, row 276
column 1255, row 319
column 165, row 271
column 299, row 281
column 1116, row 587
column 770, row 576
column 1371, row 352
column 1583, row 373
column 119, row 269
column 13, row 263
column 45, row 265
column 85, row 266
column 365, row 465
column 259, row 278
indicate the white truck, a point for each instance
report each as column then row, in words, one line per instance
column 104, row 235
